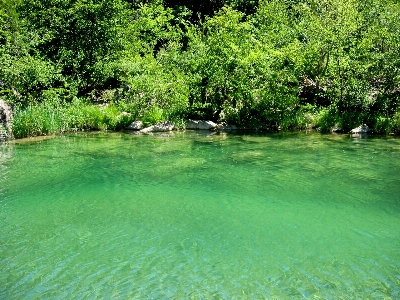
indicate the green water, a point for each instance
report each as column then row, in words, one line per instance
column 197, row 216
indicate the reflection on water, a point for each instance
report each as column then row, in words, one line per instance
column 199, row 215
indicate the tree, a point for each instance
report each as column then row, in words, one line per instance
column 80, row 36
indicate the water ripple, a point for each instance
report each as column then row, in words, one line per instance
column 229, row 217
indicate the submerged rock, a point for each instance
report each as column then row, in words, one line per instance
column 160, row 127
column 200, row 124
column 360, row 129
column 136, row 125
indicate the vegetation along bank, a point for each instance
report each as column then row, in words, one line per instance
column 92, row 64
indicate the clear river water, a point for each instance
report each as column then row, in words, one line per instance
column 194, row 215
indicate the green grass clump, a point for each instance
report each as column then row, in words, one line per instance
column 34, row 120
column 48, row 118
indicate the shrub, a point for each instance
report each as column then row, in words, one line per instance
column 396, row 122
column 154, row 91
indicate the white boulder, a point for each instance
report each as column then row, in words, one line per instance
column 360, row 129
column 160, row 127
column 200, row 125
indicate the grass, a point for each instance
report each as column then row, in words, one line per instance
column 49, row 118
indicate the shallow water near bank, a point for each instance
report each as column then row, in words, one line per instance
column 194, row 215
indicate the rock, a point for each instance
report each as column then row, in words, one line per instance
column 336, row 129
column 5, row 120
column 135, row 132
column 136, row 125
column 360, row 129
column 226, row 127
column 166, row 134
column 160, row 127
column 200, row 125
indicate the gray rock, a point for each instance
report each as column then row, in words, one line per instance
column 136, row 125
column 5, row 121
column 336, row 129
column 226, row 127
column 200, row 125
column 160, row 127
column 360, row 129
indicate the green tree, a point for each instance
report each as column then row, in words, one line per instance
column 80, row 36
column 8, row 21
column 237, row 76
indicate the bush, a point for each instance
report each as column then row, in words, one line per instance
column 153, row 89
column 396, row 122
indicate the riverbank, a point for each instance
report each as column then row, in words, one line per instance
column 51, row 118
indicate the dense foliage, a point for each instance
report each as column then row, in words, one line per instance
column 78, row 64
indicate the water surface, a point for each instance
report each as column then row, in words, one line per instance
column 198, row 216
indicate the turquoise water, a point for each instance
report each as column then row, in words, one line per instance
column 197, row 216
